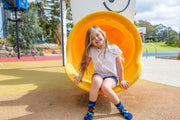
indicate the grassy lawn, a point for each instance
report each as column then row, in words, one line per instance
column 160, row 46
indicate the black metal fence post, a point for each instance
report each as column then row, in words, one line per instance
column 17, row 34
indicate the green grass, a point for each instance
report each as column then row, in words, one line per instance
column 160, row 47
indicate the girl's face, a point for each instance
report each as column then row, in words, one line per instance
column 97, row 39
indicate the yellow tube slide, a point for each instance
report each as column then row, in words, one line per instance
column 119, row 31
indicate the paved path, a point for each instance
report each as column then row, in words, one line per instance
column 163, row 71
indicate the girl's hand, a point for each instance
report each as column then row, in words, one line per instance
column 77, row 79
column 124, row 84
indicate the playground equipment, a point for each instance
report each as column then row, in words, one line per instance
column 120, row 31
column 144, row 45
column 16, row 5
column 81, row 8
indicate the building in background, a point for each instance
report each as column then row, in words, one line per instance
column 47, row 6
column 1, row 24
column 4, row 15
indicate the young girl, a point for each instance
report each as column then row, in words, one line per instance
column 108, row 69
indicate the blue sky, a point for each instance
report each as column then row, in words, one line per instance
column 166, row 12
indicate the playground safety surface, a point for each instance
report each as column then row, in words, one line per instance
column 40, row 90
column 30, row 58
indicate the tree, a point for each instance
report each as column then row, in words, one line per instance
column 29, row 30
column 52, row 24
column 172, row 37
column 69, row 17
column 55, row 20
column 136, row 24
column 159, row 31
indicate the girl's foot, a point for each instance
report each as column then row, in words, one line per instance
column 123, row 111
column 89, row 116
column 126, row 114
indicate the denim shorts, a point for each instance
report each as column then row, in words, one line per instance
column 114, row 78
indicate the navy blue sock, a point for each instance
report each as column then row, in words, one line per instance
column 123, row 111
column 91, row 108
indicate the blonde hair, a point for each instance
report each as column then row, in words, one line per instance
column 83, row 64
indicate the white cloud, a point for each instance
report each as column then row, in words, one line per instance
column 159, row 12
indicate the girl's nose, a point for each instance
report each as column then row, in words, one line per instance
column 96, row 38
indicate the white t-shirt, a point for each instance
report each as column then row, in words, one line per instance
column 105, row 66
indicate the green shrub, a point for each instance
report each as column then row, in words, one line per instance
column 173, row 45
column 156, row 40
column 149, row 41
column 178, row 43
column 1, row 40
column 54, row 52
column 39, row 49
column 22, row 51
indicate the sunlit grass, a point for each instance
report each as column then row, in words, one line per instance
column 160, row 47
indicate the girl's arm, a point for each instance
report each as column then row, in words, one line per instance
column 78, row 78
column 120, row 71
column 120, row 68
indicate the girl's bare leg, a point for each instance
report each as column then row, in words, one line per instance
column 96, row 84
column 107, row 88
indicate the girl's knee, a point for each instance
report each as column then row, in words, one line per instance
column 97, row 81
column 105, row 88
